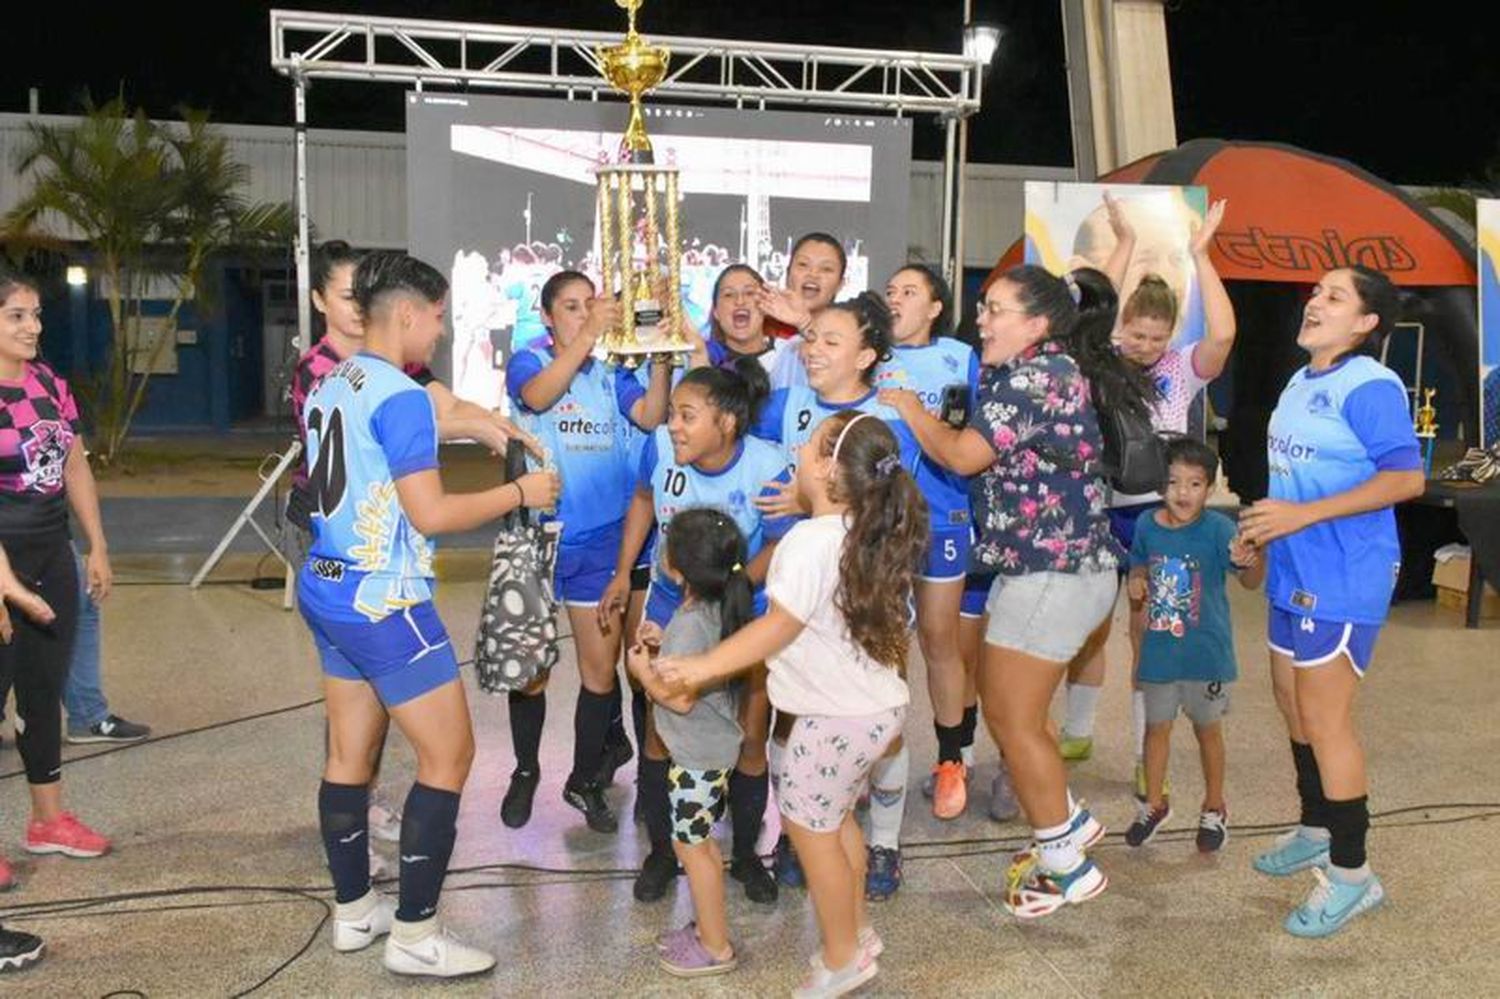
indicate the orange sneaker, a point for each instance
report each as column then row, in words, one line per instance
column 950, row 789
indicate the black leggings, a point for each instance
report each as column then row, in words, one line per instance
column 35, row 663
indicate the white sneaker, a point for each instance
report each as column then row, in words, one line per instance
column 822, row 983
column 438, row 954
column 385, row 823
column 352, row 933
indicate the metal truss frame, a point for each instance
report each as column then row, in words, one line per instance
column 307, row 45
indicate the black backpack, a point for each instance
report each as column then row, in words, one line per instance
column 1135, row 455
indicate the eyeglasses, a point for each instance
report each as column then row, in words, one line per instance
column 983, row 309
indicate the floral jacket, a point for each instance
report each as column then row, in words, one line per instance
column 1041, row 507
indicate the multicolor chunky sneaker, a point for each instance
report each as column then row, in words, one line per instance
column 883, row 873
column 1031, row 891
column 1332, row 904
column 1293, row 851
column 1213, row 830
column 1085, row 827
column 1147, row 822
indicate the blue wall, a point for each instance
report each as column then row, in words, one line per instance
column 218, row 380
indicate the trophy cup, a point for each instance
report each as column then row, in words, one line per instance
column 1426, row 427
column 640, row 260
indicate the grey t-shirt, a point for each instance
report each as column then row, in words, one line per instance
column 707, row 736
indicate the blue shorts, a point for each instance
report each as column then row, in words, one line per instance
column 586, row 564
column 403, row 655
column 663, row 599
column 1310, row 642
column 947, row 554
column 976, row 594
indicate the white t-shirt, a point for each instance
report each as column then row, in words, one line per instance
column 823, row 672
column 1178, row 384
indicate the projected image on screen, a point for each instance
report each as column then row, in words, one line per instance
column 504, row 197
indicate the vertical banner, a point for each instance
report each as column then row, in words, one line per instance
column 1489, row 321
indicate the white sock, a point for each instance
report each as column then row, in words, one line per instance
column 1316, row 833
column 1083, row 702
column 966, row 753
column 1072, row 804
column 1138, row 722
column 1058, row 851
column 357, row 909
column 888, row 798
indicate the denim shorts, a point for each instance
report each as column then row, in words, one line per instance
column 1049, row 615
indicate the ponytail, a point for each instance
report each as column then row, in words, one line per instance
column 738, row 389
column 708, row 551
column 1117, row 383
column 887, row 537
column 873, row 315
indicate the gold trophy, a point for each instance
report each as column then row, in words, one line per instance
column 640, row 260
column 1426, row 422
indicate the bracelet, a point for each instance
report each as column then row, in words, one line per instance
column 520, row 493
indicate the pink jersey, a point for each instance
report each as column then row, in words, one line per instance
column 38, row 421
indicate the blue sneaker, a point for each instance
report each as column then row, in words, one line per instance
column 1293, row 852
column 1332, row 904
column 883, row 875
column 788, row 867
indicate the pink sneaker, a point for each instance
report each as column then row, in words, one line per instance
column 65, row 835
column 7, row 876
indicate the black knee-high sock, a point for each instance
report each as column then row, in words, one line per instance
column 968, row 726
column 428, row 829
column 344, row 818
column 528, row 713
column 640, row 704
column 615, row 736
column 656, row 805
column 1310, row 787
column 747, row 808
column 1348, row 822
column 950, row 742
column 590, row 723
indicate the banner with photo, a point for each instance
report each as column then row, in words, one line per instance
column 1489, row 320
column 1067, row 226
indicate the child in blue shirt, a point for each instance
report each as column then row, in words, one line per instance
column 1179, row 560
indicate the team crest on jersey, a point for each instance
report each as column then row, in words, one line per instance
column 46, row 454
column 951, row 363
column 1321, row 402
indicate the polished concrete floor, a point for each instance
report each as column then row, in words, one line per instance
column 217, row 884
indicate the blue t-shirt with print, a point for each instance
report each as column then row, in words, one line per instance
column 1334, row 430
column 582, row 430
column 1188, row 633
column 367, row 425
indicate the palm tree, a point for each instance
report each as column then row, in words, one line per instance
column 152, row 201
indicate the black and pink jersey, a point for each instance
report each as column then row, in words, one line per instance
column 38, row 422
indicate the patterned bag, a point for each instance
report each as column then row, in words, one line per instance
column 517, row 641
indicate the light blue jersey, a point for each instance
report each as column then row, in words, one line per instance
column 367, row 425
column 583, row 432
column 1332, row 431
column 790, row 416
column 733, row 490
column 929, row 370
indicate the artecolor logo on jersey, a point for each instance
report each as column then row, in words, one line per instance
column 897, row 380
column 579, row 424
column 1288, row 448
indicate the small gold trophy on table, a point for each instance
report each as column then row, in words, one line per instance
column 640, row 262
column 1426, row 426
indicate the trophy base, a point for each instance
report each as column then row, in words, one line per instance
column 631, row 356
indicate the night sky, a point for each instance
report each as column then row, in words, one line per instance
column 1412, row 96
